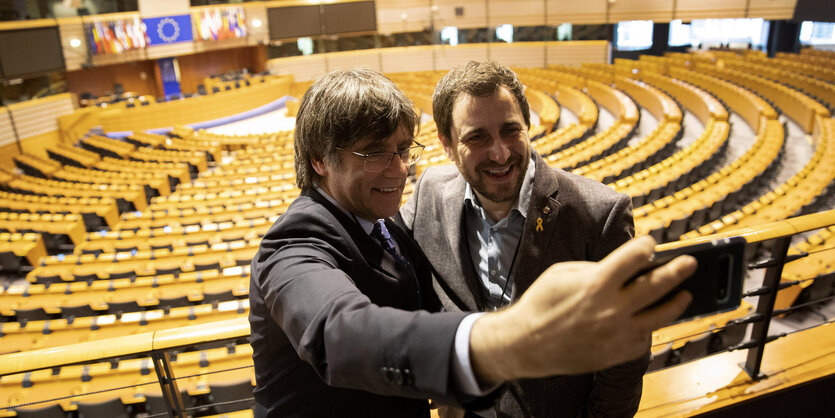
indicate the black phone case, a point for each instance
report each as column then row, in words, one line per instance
column 716, row 285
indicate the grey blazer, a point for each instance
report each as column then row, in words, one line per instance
column 581, row 220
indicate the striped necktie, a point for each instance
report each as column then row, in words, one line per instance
column 381, row 233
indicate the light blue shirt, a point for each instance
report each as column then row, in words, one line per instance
column 494, row 245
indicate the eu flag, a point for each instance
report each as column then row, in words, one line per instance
column 168, row 29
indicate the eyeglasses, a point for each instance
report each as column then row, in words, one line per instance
column 379, row 161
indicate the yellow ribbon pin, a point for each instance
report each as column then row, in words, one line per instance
column 538, row 224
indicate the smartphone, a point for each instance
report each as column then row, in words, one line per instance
column 716, row 285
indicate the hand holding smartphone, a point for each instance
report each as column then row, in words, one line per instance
column 716, row 286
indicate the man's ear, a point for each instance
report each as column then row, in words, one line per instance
column 320, row 167
column 445, row 142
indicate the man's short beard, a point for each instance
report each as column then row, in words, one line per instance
column 520, row 161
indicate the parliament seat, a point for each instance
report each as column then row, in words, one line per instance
column 36, row 166
column 177, row 172
column 107, row 147
column 125, row 318
column 96, row 212
column 155, row 184
column 50, row 411
column 111, row 408
column 20, row 252
column 175, row 236
column 128, row 196
column 234, row 396
column 156, row 403
column 73, row 156
column 59, row 231
column 145, row 291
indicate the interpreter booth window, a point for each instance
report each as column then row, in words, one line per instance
column 349, row 43
column 292, row 48
column 726, row 33
column 633, row 35
column 679, row 33
column 49, row 9
column 503, row 33
column 534, row 33
column 449, row 36
column 818, row 33
column 405, row 39
column 474, row 36
column 564, row 32
column 17, row 90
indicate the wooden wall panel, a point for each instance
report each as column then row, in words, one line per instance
column 302, row 68
column 578, row 52
column 444, row 57
column 7, row 152
column 120, row 58
column 36, row 125
column 99, row 81
column 709, row 9
column 772, row 9
column 577, row 12
column 37, row 145
column 206, row 46
column 528, row 54
column 517, row 12
column 483, row 13
column 399, row 60
column 169, row 50
column 194, row 68
column 73, row 56
column 395, row 16
column 656, row 10
column 447, row 56
column 474, row 14
column 260, row 34
column 6, row 132
column 39, row 116
column 367, row 58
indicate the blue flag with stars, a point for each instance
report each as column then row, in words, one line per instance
column 168, row 29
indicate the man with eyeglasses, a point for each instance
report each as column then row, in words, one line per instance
column 344, row 318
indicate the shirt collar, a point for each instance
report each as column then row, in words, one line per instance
column 522, row 201
column 366, row 225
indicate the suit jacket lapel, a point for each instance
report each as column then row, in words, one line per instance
column 534, row 241
column 368, row 247
column 468, row 291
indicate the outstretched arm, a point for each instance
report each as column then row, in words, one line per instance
column 579, row 317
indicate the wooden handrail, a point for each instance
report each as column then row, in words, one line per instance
column 764, row 232
column 197, row 334
column 123, row 346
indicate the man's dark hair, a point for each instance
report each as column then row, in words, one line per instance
column 478, row 79
column 345, row 107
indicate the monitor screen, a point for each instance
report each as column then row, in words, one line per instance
column 30, row 52
column 356, row 16
column 294, row 22
column 814, row 10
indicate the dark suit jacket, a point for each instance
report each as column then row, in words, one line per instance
column 338, row 329
column 581, row 220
